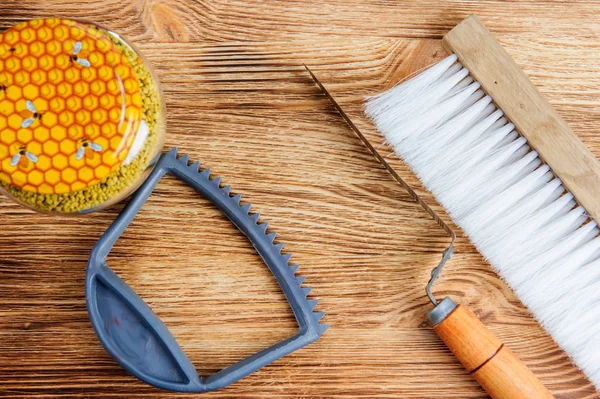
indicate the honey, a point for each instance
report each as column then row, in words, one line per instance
column 81, row 116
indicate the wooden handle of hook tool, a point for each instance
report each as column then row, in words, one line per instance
column 497, row 369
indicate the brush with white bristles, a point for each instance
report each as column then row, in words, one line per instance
column 520, row 184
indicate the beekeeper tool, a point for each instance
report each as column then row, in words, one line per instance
column 486, row 358
column 139, row 341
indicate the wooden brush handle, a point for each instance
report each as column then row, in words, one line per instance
column 502, row 374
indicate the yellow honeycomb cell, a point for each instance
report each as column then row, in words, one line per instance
column 101, row 172
column 97, row 58
column 7, row 107
column 29, row 63
column 67, row 147
column 114, row 114
column 78, row 185
column 46, row 62
column 19, row 50
column 69, row 175
column 98, row 88
column 44, row 162
column 109, row 158
column 31, row 91
column 50, row 147
column 51, row 22
column 106, row 73
column 19, row 177
column 74, row 104
column 90, row 75
column 57, row 104
column 14, row 122
column 76, row 96
column 102, row 46
column 52, row 176
column 55, row 76
column 86, row 174
column 14, row 93
column 39, row 77
column 89, row 44
column 123, row 72
column 11, row 37
column 50, row 119
column 65, row 90
column 24, row 135
column 35, row 177
column 112, row 58
column 75, row 132
column 131, row 86
column 22, row 78
column 94, row 161
column 72, row 75
column 92, row 131
column 60, row 161
column 12, row 64
column 63, row 62
column 66, row 118
column 81, row 88
column 36, row 24
column 48, row 91
column 61, row 32
column 61, row 188
column 102, row 141
column 90, row 102
column 53, row 47
column 68, row 46
column 37, row 49
column 77, row 34
column 115, row 142
column 9, row 136
column 100, row 116
column 58, row 133
column 6, row 78
column 83, row 117
column 107, row 101
column 114, row 88
column 41, row 133
column 45, row 188
column 44, row 34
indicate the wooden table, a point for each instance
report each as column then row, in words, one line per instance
column 239, row 100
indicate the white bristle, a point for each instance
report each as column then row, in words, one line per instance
column 517, row 213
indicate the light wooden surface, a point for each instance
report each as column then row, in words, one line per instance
column 240, row 101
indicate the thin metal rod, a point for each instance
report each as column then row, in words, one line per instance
column 448, row 252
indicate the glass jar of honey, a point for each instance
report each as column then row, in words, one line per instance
column 81, row 116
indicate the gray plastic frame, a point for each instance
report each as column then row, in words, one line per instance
column 139, row 341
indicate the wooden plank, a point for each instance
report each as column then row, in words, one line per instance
column 239, row 101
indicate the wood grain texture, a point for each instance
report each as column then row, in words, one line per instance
column 239, row 100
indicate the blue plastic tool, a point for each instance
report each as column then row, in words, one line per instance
column 137, row 339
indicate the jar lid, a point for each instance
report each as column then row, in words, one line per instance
column 70, row 106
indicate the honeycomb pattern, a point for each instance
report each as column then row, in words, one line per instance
column 70, row 106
